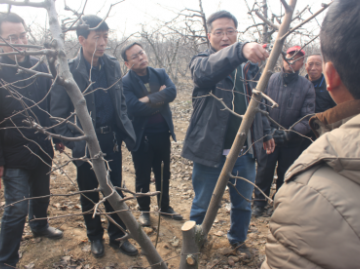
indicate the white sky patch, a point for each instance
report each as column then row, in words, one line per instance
column 129, row 16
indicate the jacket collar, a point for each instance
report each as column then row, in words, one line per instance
column 334, row 117
column 319, row 82
column 80, row 67
column 136, row 78
column 80, row 63
column 289, row 77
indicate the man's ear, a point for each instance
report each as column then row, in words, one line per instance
column 334, row 84
column 127, row 65
column 208, row 35
column 81, row 40
column 333, row 80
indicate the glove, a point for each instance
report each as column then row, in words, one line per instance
column 280, row 137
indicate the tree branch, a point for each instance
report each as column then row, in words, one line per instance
column 272, row 25
column 325, row 6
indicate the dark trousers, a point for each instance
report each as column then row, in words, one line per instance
column 87, row 180
column 20, row 184
column 285, row 157
column 154, row 149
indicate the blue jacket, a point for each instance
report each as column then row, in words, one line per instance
column 138, row 111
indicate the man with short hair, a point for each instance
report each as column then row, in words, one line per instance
column 296, row 98
column 21, row 149
column 314, row 74
column 316, row 221
column 225, row 71
column 106, row 104
column 148, row 92
column 323, row 100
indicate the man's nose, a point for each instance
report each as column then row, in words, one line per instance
column 101, row 41
column 19, row 41
column 225, row 37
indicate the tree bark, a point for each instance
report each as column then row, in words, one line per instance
column 99, row 167
column 189, row 252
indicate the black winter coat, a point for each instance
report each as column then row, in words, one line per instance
column 13, row 146
column 204, row 141
column 139, row 112
column 61, row 105
column 295, row 96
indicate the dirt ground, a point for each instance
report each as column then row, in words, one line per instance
column 73, row 250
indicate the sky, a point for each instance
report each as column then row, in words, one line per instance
column 130, row 15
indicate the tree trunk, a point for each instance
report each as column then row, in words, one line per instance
column 240, row 139
column 99, row 167
column 189, row 252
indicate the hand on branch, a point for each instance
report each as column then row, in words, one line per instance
column 269, row 146
column 254, row 52
column 60, row 147
column 145, row 99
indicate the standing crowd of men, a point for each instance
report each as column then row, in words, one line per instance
column 316, row 185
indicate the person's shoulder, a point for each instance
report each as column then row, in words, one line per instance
column 275, row 76
column 41, row 67
column 126, row 79
column 160, row 71
column 305, row 81
column 112, row 59
column 203, row 54
column 33, row 60
column 73, row 62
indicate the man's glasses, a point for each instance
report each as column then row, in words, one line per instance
column 136, row 55
column 15, row 38
column 229, row 33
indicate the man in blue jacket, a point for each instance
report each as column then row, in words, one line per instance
column 225, row 71
column 148, row 92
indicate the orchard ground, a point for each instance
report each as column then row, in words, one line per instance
column 73, row 250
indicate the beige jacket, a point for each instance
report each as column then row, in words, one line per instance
column 316, row 222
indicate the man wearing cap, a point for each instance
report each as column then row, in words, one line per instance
column 296, row 98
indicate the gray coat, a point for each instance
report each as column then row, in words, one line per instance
column 204, row 141
column 61, row 105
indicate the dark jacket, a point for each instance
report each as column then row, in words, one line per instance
column 139, row 112
column 204, row 141
column 295, row 96
column 323, row 99
column 13, row 151
column 61, row 105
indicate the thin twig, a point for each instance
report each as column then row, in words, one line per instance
column 162, row 181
